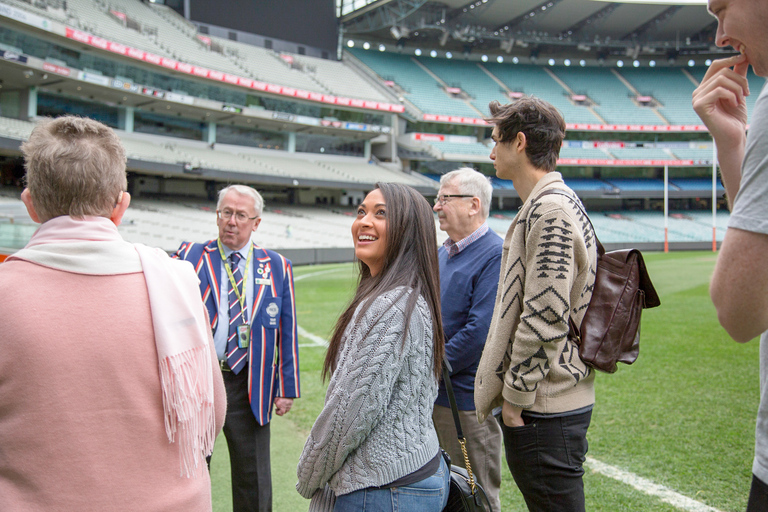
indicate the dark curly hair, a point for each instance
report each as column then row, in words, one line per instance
column 542, row 124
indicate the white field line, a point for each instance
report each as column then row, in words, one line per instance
column 666, row 494
column 318, row 273
column 316, row 341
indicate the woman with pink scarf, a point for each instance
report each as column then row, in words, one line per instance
column 110, row 395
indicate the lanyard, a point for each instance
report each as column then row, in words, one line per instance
column 240, row 297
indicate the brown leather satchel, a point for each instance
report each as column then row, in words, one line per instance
column 610, row 330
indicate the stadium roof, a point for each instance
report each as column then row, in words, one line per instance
column 631, row 28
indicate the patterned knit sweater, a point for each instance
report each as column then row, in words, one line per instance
column 376, row 425
column 548, row 269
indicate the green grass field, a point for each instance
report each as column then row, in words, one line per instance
column 682, row 416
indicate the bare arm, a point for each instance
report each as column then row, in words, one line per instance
column 720, row 102
column 739, row 287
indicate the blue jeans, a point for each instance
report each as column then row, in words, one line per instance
column 546, row 458
column 428, row 495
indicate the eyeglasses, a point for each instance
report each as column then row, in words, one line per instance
column 239, row 216
column 442, row 199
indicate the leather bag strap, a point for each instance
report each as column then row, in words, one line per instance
column 573, row 329
column 577, row 201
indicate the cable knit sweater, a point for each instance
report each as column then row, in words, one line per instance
column 548, row 266
column 376, row 425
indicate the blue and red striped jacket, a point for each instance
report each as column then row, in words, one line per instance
column 273, row 353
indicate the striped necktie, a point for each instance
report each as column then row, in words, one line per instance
column 236, row 357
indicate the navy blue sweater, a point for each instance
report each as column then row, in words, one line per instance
column 468, row 283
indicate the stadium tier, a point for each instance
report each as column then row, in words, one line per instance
column 166, row 223
column 422, row 88
column 538, row 81
column 196, row 110
column 612, row 99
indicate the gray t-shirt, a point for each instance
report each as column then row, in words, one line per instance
column 750, row 213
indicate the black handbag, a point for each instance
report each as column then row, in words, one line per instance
column 465, row 493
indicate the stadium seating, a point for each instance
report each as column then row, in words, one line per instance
column 16, row 228
column 267, row 66
column 612, row 97
column 636, row 184
column 672, row 87
column 94, row 18
column 639, row 153
column 340, row 79
column 536, row 81
column 587, row 184
column 15, row 128
column 453, row 148
column 692, row 154
column 468, row 76
column 639, row 226
column 571, row 152
column 703, row 184
column 422, row 89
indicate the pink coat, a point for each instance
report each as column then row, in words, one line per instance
column 81, row 414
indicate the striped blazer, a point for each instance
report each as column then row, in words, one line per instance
column 273, row 353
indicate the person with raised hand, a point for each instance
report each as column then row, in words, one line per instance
column 739, row 287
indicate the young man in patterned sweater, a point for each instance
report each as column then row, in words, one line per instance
column 529, row 366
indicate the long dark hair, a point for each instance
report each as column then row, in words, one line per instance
column 410, row 261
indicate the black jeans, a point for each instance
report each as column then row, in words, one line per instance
column 758, row 496
column 546, row 458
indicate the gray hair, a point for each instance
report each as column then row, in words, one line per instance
column 469, row 181
column 75, row 166
column 243, row 190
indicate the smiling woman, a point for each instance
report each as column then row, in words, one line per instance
column 369, row 231
column 377, row 414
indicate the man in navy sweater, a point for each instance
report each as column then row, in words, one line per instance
column 469, row 274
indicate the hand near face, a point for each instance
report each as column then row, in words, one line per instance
column 720, row 99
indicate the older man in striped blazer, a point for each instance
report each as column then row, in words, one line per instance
column 248, row 292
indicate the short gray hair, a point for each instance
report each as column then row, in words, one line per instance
column 75, row 166
column 469, row 181
column 243, row 190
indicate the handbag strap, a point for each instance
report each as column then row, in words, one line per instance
column 457, row 421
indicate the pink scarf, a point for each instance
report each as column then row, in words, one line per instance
column 93, row 246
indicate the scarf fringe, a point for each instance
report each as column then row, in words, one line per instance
column 187, row 381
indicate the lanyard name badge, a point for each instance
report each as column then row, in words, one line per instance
column 243, row 330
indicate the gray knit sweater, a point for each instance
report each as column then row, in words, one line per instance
column 376, row 425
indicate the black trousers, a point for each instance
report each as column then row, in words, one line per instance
column 546, row 459
column 248, row 444
column 758, row 496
